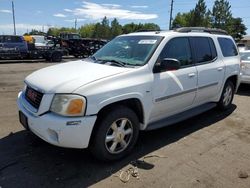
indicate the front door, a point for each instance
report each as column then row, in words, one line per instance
column 174, row 91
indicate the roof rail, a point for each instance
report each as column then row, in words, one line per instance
column 201, row 29
column 148, row 30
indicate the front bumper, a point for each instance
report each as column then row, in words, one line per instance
column 57, row 130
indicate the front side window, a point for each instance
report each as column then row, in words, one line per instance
column 129, row 50
column 228, row 47
column 178, row 48
column 204, row 49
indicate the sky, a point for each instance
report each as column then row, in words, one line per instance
column 42, row 14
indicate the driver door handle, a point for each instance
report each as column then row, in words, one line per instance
column 220, row 69
column 191, row 75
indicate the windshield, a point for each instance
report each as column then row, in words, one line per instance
column 129, row 50
column 245, row 56
column 39, row 39
column 74, row 36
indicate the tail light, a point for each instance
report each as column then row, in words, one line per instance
column 242, row 65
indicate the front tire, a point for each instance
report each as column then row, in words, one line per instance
column 116, row 134
column 226, row 96
column 56, row 57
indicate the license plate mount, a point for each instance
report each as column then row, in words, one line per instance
column 23, row 120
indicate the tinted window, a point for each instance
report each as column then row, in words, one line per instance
column 227, row 47
column 178, row 48
column 212, row 47
column 11, row 39
column 15, row 39
column 204, row 49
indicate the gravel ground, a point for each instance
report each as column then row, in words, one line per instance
column 209, row 150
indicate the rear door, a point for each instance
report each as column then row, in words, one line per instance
column 210, row 69
column 174, row 91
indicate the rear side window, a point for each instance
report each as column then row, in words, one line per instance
column 227, row 47
column 204, row 49
column 178, row 48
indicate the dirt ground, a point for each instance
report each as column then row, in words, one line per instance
column 210, row 150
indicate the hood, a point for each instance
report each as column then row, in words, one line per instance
column 67, row 77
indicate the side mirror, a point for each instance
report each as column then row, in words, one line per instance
column 167, row 64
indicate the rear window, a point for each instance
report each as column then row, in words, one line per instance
column 204, row 49
column 228, row 47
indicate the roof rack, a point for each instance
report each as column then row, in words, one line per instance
column 148, row 30
column 201, row 29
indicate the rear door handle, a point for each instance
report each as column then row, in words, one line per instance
column 220, row 69
column 191, row 75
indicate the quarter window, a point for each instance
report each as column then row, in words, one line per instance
column 178, row 48
column 227, row 47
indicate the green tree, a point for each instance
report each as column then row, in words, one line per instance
column 221, row 13
column 129, row 28
column 182, row 20
column 116, row 28
column 35, row 32
column 237, row 29
column 87, row 30
column 53, row 32
column 105, row 29
column 200, row 15
column 151, row 26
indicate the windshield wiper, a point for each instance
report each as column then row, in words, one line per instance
column 92, row 58
column 112, row 61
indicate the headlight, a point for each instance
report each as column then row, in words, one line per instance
column 68, row 105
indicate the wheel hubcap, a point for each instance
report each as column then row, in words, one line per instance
column 228, row 96
column 119, row 136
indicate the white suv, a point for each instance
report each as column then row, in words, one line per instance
column 139, row 81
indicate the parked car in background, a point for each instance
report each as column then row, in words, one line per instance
column 80, row 47
column 13, row 46
column 241, row 47
column 23, row 47
column 40, row 41
column 245, row 66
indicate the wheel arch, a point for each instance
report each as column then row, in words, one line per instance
column 134, row 104
column 234, row 79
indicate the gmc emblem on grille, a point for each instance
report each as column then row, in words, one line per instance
column 32, row 95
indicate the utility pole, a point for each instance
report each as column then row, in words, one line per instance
column 75, row 24
column 171, row 14
column 13, row 14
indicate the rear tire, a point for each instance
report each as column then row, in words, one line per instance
column 227, row 96
column 116, row 134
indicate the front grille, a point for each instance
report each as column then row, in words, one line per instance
column 33, row 97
